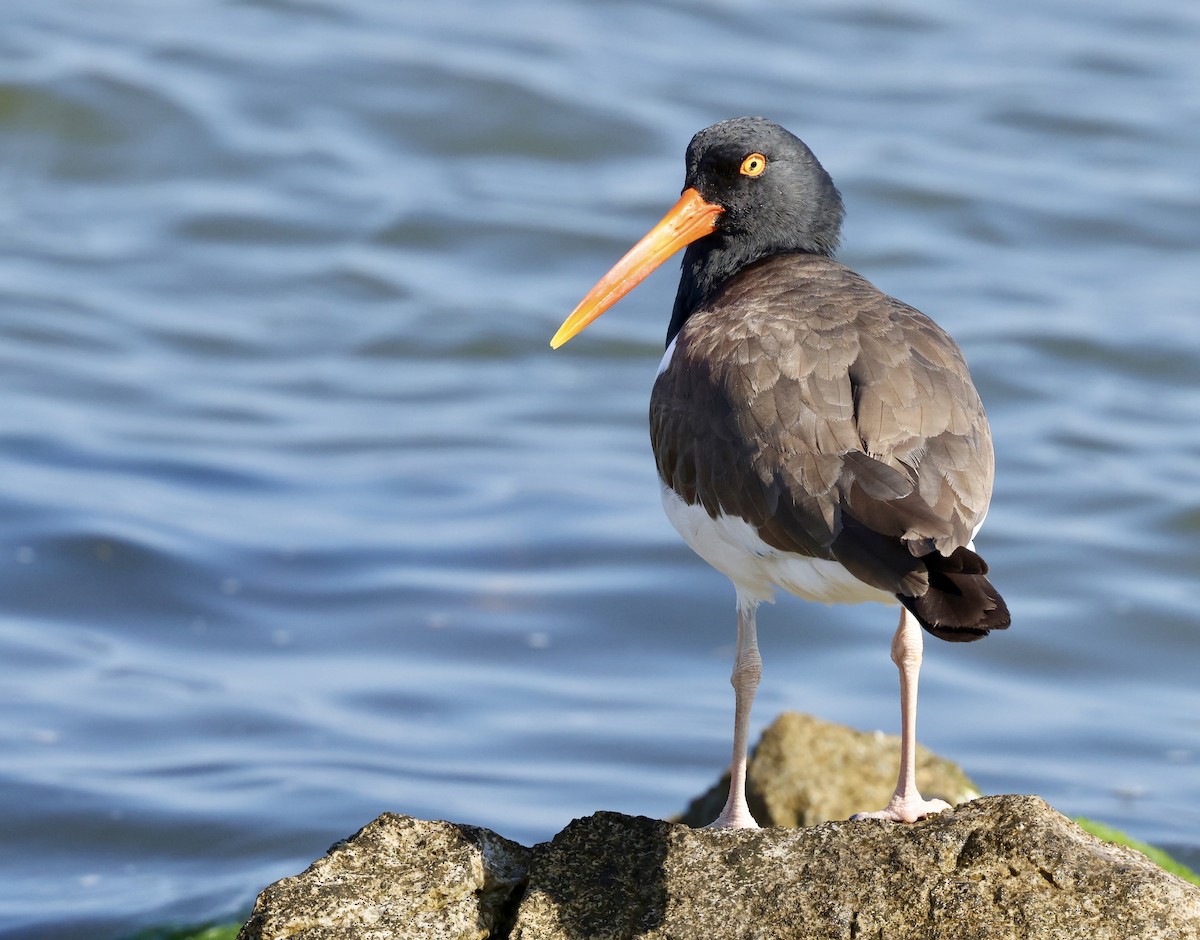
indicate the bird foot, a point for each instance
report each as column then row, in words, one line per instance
column 736, row 818
column 906, row 809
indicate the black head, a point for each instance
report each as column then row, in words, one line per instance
column 785, row 202
column 752, row 190
column 776, row 198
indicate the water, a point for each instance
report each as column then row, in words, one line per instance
column 301, row 520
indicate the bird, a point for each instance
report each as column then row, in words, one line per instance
column 812, row 434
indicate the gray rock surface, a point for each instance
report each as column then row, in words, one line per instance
column 806, row 771
column 398, row 877
column 996, row 868
column 999, row 868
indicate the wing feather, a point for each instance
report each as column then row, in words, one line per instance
column 844, row 429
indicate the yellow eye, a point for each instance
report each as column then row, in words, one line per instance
column 753, row 165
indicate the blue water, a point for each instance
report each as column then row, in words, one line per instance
column 301, row 520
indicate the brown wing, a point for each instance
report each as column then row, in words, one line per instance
column 840, row 422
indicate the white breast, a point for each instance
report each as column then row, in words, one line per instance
column 733, row 547
column 666, row 359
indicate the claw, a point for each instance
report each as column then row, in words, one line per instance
column 906, row 809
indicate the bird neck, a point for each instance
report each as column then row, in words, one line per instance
column 709, row 264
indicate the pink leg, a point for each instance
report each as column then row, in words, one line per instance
column 906, row 804
column 747, row 670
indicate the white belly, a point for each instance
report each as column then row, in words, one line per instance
column 734, row 548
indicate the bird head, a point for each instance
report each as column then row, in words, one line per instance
column 751, row 189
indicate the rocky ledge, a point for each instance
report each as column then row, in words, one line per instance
column 995, row 867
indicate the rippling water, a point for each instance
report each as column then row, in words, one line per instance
column 301, row 520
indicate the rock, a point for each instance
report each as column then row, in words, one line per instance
column 998, row 868
column 805, row 771
column 398, row 877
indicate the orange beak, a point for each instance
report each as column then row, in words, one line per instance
column 691, row 218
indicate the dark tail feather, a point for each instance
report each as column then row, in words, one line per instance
column 961, row 603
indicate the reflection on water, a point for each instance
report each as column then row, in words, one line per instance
column 302, row 519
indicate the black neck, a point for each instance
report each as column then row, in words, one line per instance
column 707, row 265
column 710, row 263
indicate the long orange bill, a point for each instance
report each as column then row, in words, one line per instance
column 691, row 218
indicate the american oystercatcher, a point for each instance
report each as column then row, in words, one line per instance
column 811, row 433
